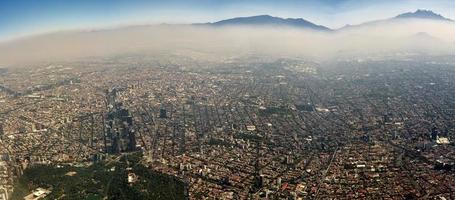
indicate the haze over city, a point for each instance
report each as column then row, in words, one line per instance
column 50, row 31
column 229, row 99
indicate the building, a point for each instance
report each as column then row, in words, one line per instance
column 1, row 129
column 163, row 113
column 120, row 136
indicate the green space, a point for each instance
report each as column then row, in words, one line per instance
column 104, row 180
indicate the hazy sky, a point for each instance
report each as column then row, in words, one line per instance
column 25, row 17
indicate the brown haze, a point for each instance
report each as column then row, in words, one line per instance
column 211, row 43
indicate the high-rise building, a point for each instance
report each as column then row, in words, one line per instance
column 1, row 129
column 163, row 113
column 120, row 136
column 131, row 141
column 434, row 133
column 115, row 148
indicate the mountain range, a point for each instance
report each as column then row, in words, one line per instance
column 422, row 14
column 267, row 20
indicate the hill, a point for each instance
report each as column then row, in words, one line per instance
column 267, row 20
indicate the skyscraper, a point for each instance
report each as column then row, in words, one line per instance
column 1, row 128
column 163, row 113
column 434, row 133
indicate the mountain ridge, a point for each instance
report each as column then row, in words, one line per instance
column 419, row 14
column 268, row 20
column 422, row 14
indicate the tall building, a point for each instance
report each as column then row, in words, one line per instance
column 131, row 141
column 1, row 129
column 434, row 133
column 118, row 126
column 120, row 136
column 163, row 113
column 115, row 144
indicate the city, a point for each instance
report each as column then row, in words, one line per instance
column 243, row 128
column 227, row 100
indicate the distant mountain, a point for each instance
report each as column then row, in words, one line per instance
column 422, row 14
column 423, row 42
column 424, row 36
column 267, row 20
column 419, row 14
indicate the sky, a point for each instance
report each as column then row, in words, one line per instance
column 20, row 18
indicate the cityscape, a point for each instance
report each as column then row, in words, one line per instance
column 279, row 129
column 231, row 122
